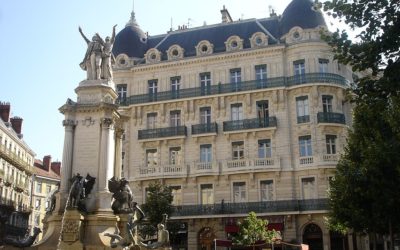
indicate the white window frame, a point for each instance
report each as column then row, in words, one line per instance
column 236, row 111
column 305, row 142
column 313, row 194
column 206, row 153
column 242, row 190
column 210, row 193
column 272, row 192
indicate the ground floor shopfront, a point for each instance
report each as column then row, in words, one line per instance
column 199, row 233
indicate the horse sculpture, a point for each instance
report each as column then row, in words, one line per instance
column 26, row 242
column 80, row 189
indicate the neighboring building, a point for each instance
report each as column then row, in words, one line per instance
column 240, row 116
column 46, row 180
column 16, row 163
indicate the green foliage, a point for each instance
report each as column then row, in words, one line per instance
column 252, row 230
column 365, row 193
column 158, row 202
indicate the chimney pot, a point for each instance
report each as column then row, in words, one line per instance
column 16, row 123
column 5, row 111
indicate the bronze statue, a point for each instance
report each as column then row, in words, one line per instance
column 80, row 189
column 122, row 195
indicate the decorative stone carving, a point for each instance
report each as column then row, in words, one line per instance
column 175, row 52
column 234, row 43
column 258, row 40
column 153, row 55
column 88, row 121
column 107, row 122
column 204, row 47
column 122, row 195
column 162, row 236
column 69, row 123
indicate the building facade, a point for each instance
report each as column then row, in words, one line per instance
column 240, row 116
column 16, row 163
column 46, row 181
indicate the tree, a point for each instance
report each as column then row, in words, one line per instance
column 253, row 230
column 365, row 193
column 158, row 202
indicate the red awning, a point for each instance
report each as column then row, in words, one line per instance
column 223, row 243
column 231, row 228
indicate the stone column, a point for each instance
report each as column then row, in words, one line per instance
column 107, row 147
column 67, row 155
column 118, row 152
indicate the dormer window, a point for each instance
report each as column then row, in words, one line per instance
column 258, row 39
column 204, row 48
column 175, row 52
column 234, row 43
column 153, row 55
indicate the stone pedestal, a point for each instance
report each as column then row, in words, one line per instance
column 96, row 226
column 71, row 231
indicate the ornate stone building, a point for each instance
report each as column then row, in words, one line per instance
column 239, row 116
column 46, row 180
column 16, row 163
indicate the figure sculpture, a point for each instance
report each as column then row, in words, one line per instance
column 52, row 199
column 26, row 242
column 107, row 57
column 122, row 195
column 162, row 236
column 80, row 189
column 92, row 60
column 127, row 239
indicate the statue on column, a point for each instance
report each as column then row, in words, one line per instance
column 107, row 58
column 92, row 60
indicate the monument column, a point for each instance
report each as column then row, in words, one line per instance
column 67, row 154
column 107, row 147
column 118, row 152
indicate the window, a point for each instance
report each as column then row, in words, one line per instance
column 267, row 190
column 299, row 71
column 175, row 86
column 236, row 78
column 175, row 156
column 264, row 148
column 48, row 189
column 206, row 194
column 330, row 144
column 175, row 118
column 305, row 148
column 37, row 204
column 151, row 158
column 206, row 153
column 177, row 195
column 37, row 220
column 151, row 120
column 308, row 188
column 205, row 83
column 236, row 112
column 237, row 150
column 327, row 103
column 323, row 65
column 261, row 75
column 239, row 192
column 262, row 111
column 205, row 115
column 302, row 107
column 38, row 187
column 122, row 92
column 153, row 89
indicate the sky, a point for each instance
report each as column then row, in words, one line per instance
column 42, row 48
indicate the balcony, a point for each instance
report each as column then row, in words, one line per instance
column 19, row 186
column 168, row 170
column 242, row 86
column 179, row 131
column 204, row 168
column 247, row 124
column 246, row 207
column 14, row 159
column 251, row 165
column 303, row 119
column 306, row 160
column 331, row 117
column 205, row 129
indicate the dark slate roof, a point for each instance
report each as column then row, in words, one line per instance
column 301, row 13
column 134, row 42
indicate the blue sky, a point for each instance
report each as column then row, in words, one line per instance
column 41, row 49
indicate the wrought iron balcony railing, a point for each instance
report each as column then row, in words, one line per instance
column 238, row 87
column 205, row 128
column 246, row 207
column 331, row 117
column 254, row 123
column 303, row 119
column 15, row 159
column 162, row 132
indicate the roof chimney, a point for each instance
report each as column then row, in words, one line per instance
column 56, row 167
column 226, row 17
column 5, row 111
column 16, row 123
column 46, row 162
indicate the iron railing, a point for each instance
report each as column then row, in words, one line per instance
column 205, row 128
column 246, row 207
column 250, row 124
column 236, row 87
column 331, row 117
column 303, row 119
column 162, row 132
